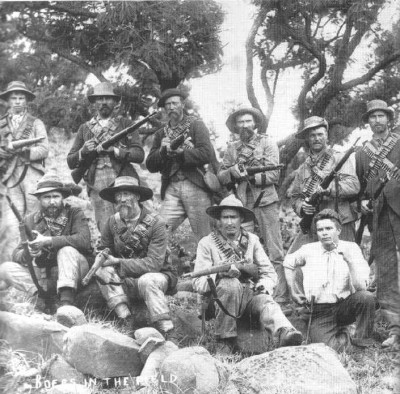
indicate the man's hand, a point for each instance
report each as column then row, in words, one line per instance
column 100, row 149
column 174, row 153
column 88, row 146
column 5, row 154
column 365, row 210
column 322, row 192
column 111, row 260
column 39, row 243
column 236, row 173
column 308, row 209
column 232, row 273
column 299, row 299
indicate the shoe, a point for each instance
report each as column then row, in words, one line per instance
column 392, row 344
column 226, row 346
column 164, row 326
column 288, row 336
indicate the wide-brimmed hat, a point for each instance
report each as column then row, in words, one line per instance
column 52, row 182
column 311, row 123
column 103, row 89
column 258, row 117
column 377, row 105
column 17, row 86
column 230, row 202
column 128, row 183
column 166, row 94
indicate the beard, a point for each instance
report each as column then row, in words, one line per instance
column 125, row 210
column 52, row 211
column 246, row 134
column 105, row 111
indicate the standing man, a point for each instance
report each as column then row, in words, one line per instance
column 253, row 149
column 183, row 190
column 335, row 277
column 108, row 164
column 134, row 242
column 320, row 161
column 61, row 247
column 379, row 158
column 20, row 169
column 230, row 242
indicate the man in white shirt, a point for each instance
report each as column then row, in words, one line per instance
column 334, row 274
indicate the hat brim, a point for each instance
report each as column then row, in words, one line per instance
column 109, row 192
column 93, row 97
column 29, row 95
column 66, row 191
column 389, row 111
column 215, row 212
column 302, row 135
column 231, row 121
column 162, row 100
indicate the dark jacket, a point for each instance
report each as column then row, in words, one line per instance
column 76, row 233
column 191, row 159
column 154, row 250
column 130, row 150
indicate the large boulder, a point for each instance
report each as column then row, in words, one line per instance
column 101, row 352
column 191, row 370
column 32, row 334
column 311, row 369
column 59, row 370
column 252, row 338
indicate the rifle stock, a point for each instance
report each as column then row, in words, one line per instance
column 78, row 173
column 315, row 198
column 250, row 270
column 100, row 259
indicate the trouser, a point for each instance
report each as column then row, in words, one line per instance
column 150, row 287
column 239, row 299
column 183, row 199
column 329, row 321
column 72, row 267
column 270, row 232
column 25, row 203
column 385, row 249
column 348, row 233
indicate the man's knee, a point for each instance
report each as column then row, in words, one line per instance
column 152, row 281
column 66, row 251
column 231, row 286
column 365, row 298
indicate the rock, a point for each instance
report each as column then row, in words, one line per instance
column 70, row 388
column 311, row 369
column 32, row 334
column 70, row 316
column 154, row 360
column 191, row 370
column 60, row 370
column 147, row 332
column 148, row 346
column 101, row 352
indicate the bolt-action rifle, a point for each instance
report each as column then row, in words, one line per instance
column 257, row 169
column 78, row 173
column 27, row 235
column 249, row 270
column 315, row 198
column 19, row 144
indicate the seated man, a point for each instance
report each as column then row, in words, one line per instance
column 62, row 240
column 334, row 275
column 134, row 242
column 231, row 243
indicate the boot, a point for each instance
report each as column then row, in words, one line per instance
column 67, row 296
column 289, row 336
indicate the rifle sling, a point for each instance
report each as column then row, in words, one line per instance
column 21, row 178
column 215, row 298
column 41, row 292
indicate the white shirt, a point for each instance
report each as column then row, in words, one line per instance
column 326, row 274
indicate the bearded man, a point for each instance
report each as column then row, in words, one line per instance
column 183, row 190
column 134, row 243
column 255, row 149
column 20, row 169
column 108, row 164
column 60, row 249
column 377, row 161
